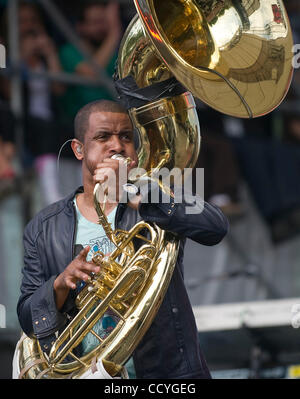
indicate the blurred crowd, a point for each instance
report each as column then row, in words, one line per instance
column 48, row 105
column 264, row 152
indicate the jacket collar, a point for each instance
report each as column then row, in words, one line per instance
column 68, row 203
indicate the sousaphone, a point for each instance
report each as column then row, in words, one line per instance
column 235, row 56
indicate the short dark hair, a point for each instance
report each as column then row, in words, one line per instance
column 81, row 122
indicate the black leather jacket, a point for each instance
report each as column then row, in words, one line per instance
column 170, row 348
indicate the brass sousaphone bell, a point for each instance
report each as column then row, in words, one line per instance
column 235, row 56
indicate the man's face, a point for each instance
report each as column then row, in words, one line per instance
column 108, row 134
column 29, row 21
column 94, row 27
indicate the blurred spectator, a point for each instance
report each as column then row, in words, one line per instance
column 38, row 54
column 221, row 170
column 7, row 146
column 291, row 127
column 99, row 27
column 6, row 156
column 7, row 152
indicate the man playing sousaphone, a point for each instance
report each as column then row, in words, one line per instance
column 61, row 240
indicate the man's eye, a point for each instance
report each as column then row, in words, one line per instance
column 126, row 137
column 102, row 137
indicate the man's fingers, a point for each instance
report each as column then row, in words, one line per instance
column 79, row 269
column 132, row 164
column 70, row 284
column 108, row 163
column 83, row 253
column 100, row 177
column 90, row 267
column 80, row 275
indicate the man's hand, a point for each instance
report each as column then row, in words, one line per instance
column 112, row 174
column 113, row 20
column 79, row 269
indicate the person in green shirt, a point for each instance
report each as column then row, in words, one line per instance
column 99, row 28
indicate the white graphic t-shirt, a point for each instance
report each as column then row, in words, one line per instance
column 93, row 234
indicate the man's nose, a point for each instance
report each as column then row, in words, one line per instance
column 116, row 144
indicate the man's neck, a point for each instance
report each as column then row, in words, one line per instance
column 85, row 203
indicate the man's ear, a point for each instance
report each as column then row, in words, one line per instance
column 77, row 148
